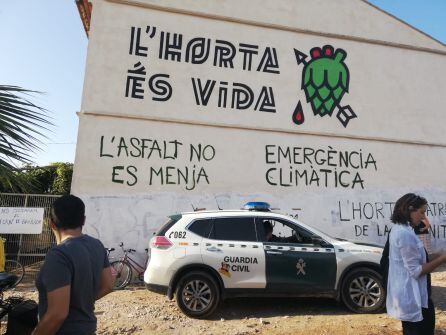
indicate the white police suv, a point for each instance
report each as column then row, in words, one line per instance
column 204, row 257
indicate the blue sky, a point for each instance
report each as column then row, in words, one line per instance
column 426, row 15
column 44, row 48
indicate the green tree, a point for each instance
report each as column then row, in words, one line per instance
column 51, row 179
column 22, row 128
column 62, row 180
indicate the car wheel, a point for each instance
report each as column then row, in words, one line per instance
column 363, row 291
column 122, row 273
column 197, row 294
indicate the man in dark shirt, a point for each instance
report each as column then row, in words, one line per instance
column 75, row 274
column 270, row 237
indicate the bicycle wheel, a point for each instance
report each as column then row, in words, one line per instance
column 122, row 272
column 14, row 267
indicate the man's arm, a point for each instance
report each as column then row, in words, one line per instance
column 56, row 313
column 107, row 282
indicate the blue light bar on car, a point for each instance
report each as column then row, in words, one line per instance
column 257, row 206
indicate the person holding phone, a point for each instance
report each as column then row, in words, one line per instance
column 422, row 231
column 409, row 283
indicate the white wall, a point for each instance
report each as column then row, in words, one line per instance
column 354, row 18
column 389, row 87
column 396, row 144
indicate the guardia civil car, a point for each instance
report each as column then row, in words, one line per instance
column 204, row 257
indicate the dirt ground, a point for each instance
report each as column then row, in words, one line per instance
column 138, row 311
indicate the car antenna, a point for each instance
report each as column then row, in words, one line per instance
column 196, row 209
column 218, row 206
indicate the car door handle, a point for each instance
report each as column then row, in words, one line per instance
column 274, row 252
column 213, row 249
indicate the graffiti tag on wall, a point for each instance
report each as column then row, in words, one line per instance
column 358, row 212
column 163, row 157
column 325, row 78
column 295, row 166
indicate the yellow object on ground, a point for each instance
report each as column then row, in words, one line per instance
column 2, row 255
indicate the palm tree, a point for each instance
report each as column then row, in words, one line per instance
column 22, row 127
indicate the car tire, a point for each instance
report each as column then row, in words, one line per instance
column 206, row 290
column 363, row 291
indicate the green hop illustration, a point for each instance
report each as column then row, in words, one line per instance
column 325, row 79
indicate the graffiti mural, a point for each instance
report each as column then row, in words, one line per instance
column 181, row 112
column 325, row 80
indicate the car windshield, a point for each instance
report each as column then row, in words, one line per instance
column 315, row 230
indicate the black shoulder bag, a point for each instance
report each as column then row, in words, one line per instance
column 384, row 263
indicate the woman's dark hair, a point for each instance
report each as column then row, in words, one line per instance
column 68, row 212
column 405, row 205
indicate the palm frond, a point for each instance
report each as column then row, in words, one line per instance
column 23, row 126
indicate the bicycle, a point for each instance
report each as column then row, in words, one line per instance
column 11, row 266
column 15, row 268
column 123, row 269
column 22, row 313
column 109, row 250
column 7, row 281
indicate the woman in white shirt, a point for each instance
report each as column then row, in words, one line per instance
column 408, row 286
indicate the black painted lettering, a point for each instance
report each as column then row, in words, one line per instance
column 356, row 210
column 440, row 209
column 269, row 153
column 197, row 50
column 379, row 207
column 169, row 170
column 160, row 87
column 265, row 101
column 135, row 144
column 368, row 210
column 122, row 146
column 358, row 180
column 351, row 159
column 115, row 174
column 242, row 96
column 208, row 152
column 131, row 170
column 370, row 160
column 296, row 155
column 308, row 153
column 157, row 173
column 101, row 147
column 286, row 155
column 269, row 178
column 224, row 54
column 340, row 213
column 248, row 50
column 341, row 182
column 202, row 93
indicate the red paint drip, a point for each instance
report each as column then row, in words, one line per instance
column 298, row 115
